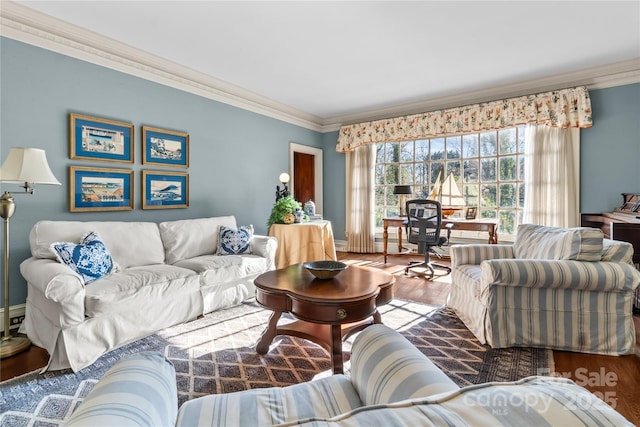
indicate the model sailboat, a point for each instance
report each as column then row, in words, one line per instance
column 448, row 194
column 435, row 191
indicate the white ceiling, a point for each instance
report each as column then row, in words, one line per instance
column 345, row 60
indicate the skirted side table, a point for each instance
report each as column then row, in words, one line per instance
column 302, row 242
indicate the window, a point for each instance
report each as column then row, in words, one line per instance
column 488, row 168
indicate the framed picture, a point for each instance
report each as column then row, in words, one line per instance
column 165, row 190
column 100, row 189
column 471, row 213
column 165, row 147
column 92, row 138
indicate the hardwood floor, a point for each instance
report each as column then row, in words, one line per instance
column 615, row 379
column 29, row 360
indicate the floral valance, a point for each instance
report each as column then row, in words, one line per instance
column 562, row 108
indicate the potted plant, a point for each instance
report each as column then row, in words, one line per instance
column 284, row 211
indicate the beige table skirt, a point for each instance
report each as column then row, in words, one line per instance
column 308, row 241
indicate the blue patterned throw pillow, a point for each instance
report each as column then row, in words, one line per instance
column 90, row 258
column 235, row 242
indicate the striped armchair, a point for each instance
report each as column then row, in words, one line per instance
column 391, row 384
column 565, row 289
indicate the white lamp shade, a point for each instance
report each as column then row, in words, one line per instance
column 27, row 165
column 284, row 177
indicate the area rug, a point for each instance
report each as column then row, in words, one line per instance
column 215, row 354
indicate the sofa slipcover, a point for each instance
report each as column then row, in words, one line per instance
column 563, row 304
column 77, row 323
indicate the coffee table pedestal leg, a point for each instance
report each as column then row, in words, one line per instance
column 336, row 348
column 269, row 333
column 330, row 337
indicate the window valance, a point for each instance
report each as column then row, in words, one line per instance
column 562, row 108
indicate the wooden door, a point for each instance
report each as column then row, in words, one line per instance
column 303, row 177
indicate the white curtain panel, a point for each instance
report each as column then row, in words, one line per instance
column 552, row 176
column 360, row 203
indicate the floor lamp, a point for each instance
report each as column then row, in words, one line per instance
column 27, row 166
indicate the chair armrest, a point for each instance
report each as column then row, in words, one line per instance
column 61, row 290
column 580, row 275
column 386, row 368
column 138, row 390
column 265, row 246
column 56, row 281
column 475, row 254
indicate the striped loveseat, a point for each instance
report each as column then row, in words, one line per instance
column 391, row 384
column 565, row 289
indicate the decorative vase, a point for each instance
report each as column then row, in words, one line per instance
column 299, row 214
column 310, row 208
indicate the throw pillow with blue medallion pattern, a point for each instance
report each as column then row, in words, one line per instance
column 234, row 242
column 90, row 258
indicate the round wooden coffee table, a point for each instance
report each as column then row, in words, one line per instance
column 326, row 311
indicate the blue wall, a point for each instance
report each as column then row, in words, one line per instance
column 334, row 203
column 610, row 149
column 236, row 156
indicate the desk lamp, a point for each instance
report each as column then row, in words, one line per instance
column 26, row 166
column 402, row 191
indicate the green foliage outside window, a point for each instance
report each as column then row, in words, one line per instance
column 488, row 168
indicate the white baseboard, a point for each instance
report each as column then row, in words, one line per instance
column 14, row 311
column 341, row 245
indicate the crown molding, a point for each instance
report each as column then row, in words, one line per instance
column 616, row 74
column 29, row 26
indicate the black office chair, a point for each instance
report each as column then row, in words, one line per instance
column 424, row 221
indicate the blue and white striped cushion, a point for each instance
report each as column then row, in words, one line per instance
column 386, row 368
column 617, row 251
column 533, row 401
column 573, row 275
column 475, row 254
column 540, row 242
column 324, row 398
column 139, row 390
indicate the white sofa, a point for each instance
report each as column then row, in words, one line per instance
column 168, row 273
column 391, row 384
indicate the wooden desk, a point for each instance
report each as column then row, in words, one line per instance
column 490, row 225
column 307, row 241
column 394, row 222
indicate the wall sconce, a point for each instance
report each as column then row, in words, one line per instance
column 284, row 179
column 402, row 191
column 27, row 166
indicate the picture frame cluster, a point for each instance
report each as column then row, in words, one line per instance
column 94, row 189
